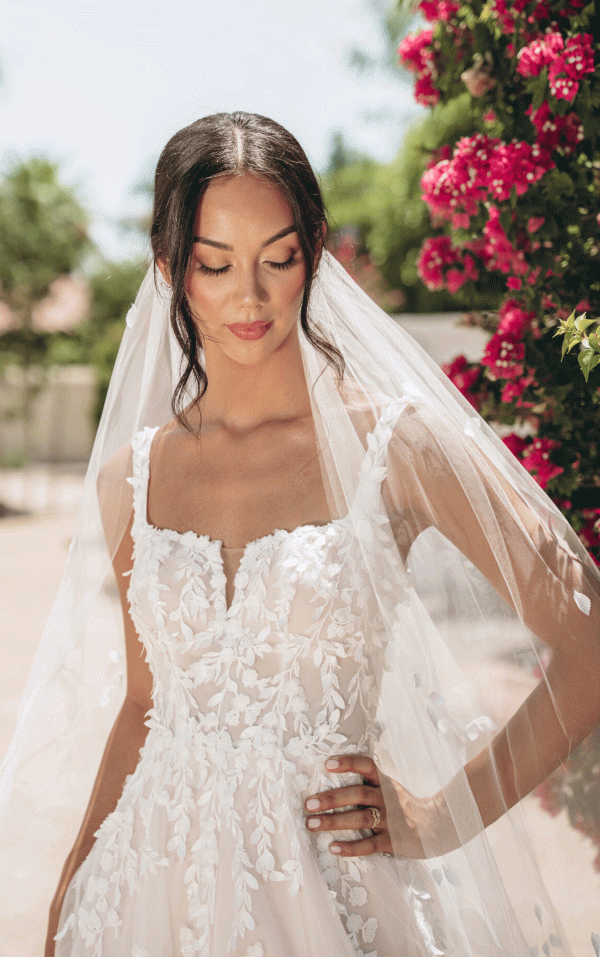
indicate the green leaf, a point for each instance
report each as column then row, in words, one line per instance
column 506, row 220
column 588, row 361
column 581, row 323
column 540, row 90
column 568, row 342
column 594, row 341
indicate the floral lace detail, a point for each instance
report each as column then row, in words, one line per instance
column 249, row 701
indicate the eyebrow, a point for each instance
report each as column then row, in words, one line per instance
column 217, row 245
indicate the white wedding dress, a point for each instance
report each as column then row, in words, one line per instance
column 206, row 853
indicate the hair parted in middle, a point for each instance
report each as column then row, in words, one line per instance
column 228, row 144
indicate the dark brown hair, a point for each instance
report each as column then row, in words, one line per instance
column 220, row 145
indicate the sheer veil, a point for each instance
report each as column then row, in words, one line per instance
column 464, row 563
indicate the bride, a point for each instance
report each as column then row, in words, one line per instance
column 313, row 545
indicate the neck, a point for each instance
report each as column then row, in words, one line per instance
column 241, row 398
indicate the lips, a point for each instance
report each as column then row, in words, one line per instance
column 250, row 330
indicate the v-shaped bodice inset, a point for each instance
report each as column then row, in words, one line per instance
column 231, row 559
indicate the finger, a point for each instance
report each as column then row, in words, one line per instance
column 352, row 794
column 356, row 820
column 377, row 844
column 361, row 764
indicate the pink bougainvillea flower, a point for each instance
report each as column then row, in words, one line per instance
column 514, row 283
column 578, row 57
column 566, row 71
column 562, row 87
column 415, row 50
column 505, row 13
column 438, row 9
column 517, row 165
column 514, row 389
column 499, row 251
column 458, row 184
column 436, row 253
column 514, row 320
column 515, row 444
column 539, row 53
column 481, row 165
column 425, row 92
column 455, row 278
column 416, row 53
column 541, row 11
column 554, row 132
column 536, row 460
column 464, row 375
column 504, row 356
column 443, row 264
column 590, row 533
column 533, row 276
column 548, row 302
column 534, row 223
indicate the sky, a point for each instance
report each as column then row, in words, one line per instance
column 100, row 86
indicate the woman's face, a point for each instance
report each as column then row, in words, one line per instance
column 247, row 272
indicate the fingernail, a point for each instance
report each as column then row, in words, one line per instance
column 332, row 764
column 313, row 822
column 335, row 848
column 312, row 805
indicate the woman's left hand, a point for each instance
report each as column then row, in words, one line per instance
column 361, row 798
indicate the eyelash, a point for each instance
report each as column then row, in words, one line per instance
column 207, row 271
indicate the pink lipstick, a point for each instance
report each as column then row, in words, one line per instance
column 250, row 330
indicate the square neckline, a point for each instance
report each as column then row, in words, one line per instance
column 203, row 538
column 141, row 480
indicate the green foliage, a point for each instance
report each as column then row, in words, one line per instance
column 113, row 288
column 43, row 233
column 577, row 332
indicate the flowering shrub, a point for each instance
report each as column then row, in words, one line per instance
column 519, row 200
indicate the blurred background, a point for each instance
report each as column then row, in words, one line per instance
column 89, row 94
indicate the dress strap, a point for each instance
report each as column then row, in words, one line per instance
column 140, row 447
column 373, row 467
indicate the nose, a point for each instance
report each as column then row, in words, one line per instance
column 250, row 292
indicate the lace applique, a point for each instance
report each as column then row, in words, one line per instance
column 248, row 704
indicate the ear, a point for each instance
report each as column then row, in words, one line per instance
column 164, row 270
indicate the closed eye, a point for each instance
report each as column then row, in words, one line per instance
column 207, row 271
column 287, row 264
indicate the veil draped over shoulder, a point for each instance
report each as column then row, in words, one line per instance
column 467, row 568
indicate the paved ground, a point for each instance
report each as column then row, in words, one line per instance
column 32, row 557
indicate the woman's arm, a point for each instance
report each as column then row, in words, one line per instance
column 121, row 754
column 120, row 758
column 557, row 598
column 467, row 499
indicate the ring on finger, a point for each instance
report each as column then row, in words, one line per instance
column 376, row 817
